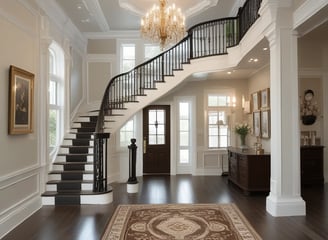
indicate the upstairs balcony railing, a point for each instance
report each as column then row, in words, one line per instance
column 203, row 40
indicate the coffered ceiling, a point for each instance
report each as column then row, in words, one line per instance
column 92, row 16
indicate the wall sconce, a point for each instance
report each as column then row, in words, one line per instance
column 245, row 105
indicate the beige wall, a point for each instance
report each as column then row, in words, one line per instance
column 76, row 81
column 101, row 46
column 98, row 77
column 258, row 82
column 20, row 166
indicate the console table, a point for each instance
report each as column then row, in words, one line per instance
column 312, row 165
column 249, row 171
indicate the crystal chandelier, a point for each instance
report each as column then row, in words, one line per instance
column 163, row 24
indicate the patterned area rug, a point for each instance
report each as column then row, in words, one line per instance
column 179, row 221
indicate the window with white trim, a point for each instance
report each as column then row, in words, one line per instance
column 184, row 132
column 218, row 109
column 126, row 133
column 56, row 95
column 128, row 56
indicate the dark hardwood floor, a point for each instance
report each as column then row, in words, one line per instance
column 88, row 222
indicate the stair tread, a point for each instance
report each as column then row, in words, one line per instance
column 73, row 146
column 68, row 138
column 70, row 171
column 69, row 181
column 73, row 163
column 74, row 193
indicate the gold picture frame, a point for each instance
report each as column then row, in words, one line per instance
column 257, row 124
column 21, row 95
column 265, row 98
column 255, row 101
column 265, row 123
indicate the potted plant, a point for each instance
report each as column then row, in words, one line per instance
column 242, row 130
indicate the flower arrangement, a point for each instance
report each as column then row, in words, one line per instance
column 242, row 129
column 309, row 109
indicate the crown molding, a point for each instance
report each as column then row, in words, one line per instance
column 131, row 34
column 63, row 23
column 310, row 9
column 132, row 6
column 94, row 9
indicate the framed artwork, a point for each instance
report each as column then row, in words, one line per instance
column 265, row 98
column 21, row 87
column 257, row 124
column 255, row 101
column 265, row 123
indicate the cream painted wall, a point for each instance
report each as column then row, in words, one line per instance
column 101, row 46
column 258, row 82
column 76, row 81
column 98, row 77
column 19, row 161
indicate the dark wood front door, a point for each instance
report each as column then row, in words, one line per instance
column 156, row 136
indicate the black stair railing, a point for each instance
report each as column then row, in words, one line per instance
column 203, row 40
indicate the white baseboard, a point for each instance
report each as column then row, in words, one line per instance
column 11, row 220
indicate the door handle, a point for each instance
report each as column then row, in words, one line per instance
column 145, row 146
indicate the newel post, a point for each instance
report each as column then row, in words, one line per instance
column 132, row 184
column 100, row 162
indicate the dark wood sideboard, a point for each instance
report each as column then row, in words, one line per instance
column 248, row 170
column 312, row 165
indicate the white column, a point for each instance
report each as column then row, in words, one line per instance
column 284, row 198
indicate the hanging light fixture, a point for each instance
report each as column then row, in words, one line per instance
column 163, row 24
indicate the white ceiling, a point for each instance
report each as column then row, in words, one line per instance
column 124, row 15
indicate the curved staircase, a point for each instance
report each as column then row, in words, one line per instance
column 79, row 174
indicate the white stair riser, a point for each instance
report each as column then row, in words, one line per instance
column 48, row 201
column 51, row 187
column 58, row 177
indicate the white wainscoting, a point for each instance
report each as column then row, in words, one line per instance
column 209, row 162
column 20, row 198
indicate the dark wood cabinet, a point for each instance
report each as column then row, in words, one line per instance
column 249, row 171
column 312, row 165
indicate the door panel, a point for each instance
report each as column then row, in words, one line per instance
column 156, row 135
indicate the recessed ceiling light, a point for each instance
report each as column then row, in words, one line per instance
column 79, row 7
column 252, row 60
column 265, row 49
column 229, row 72
column 85, row 20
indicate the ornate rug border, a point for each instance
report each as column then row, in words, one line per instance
column 126, row 210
